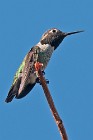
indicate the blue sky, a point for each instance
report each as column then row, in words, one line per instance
column 70, row 70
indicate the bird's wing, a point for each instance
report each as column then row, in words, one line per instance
column 21, row 76
column 19, row 71
column 16, row 83
column 28, row 70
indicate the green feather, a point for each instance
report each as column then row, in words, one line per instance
column 19, row 71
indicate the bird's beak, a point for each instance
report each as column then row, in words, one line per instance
column 75, row 32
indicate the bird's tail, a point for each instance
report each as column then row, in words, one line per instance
column 11, row 95
column 13, row 91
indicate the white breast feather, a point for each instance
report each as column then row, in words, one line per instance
column 46, row 52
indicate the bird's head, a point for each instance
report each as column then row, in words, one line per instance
column 54, row 37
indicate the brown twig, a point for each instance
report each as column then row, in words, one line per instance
column 56, row 116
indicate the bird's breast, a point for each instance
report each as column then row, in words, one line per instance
column 45, row 55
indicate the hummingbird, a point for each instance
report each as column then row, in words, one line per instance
column 25, row 78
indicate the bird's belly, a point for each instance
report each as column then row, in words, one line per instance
column 32, row 78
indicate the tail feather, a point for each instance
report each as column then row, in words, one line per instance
column 25, row 91
column 13, row 91
column 11, row 95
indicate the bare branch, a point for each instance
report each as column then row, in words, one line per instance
column 56, row 116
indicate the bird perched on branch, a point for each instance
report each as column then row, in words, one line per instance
column 25, row 77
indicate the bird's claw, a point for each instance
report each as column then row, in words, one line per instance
column 38, row 81
column 43, row 72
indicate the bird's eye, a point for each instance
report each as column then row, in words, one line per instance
column 53, row 30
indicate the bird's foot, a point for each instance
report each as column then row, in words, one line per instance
column 43, row 72
column 38, row 81
column 38, row 66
